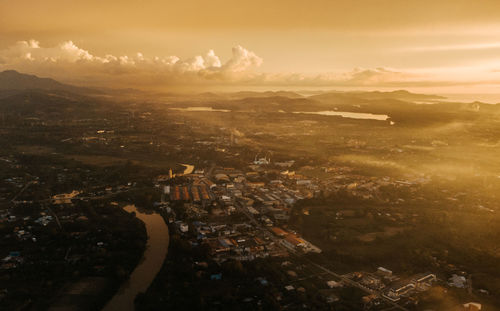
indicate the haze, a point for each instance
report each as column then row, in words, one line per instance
column 250, row 155
column 426, row 46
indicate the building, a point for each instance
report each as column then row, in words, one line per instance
column 295, row 241
column 183, row 227
column 222, row 177
column 472, row 306
column 195, row 193
column 279, row 232
column 334, row 284
column 424, row 281
column 457, row 281
column 395, row 292
column 262, row 161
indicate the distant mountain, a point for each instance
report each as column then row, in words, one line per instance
column 239, row 95
column 376, row 95
column 205, row 97
column 55, row 105
column 242, row 95
column 11, row 80
column 401, row 95
column 27, row 102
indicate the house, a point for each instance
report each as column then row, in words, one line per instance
column 303, row 182
column 424, row 281
column 222, row 177
column 369, row 298
column 371, row 282
column 472, row 306
column 334, row 284
column 285, row 164
column 329, row 295
column 395, row 292
column 255, row 184
column 268, row 222
column 262, row 161
column 183, row 227
column 279, row 232
column 294, row 240
column 457, row 281
column 252, row 210
column 244, row 201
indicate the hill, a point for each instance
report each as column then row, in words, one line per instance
column 12, row 81
column 402, row 95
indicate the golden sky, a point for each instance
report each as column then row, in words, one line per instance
column 442, row 46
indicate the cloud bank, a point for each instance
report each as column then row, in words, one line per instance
column 73, row 64
column 68, row 61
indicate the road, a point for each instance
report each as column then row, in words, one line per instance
column 22, row 190
column 356, row 284
column 210, row 170
column 326, row 270
column 55, row 216
column 258, row 225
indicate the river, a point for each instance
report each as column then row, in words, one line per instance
column 150, row 264
column 187, row 170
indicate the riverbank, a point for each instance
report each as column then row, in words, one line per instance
column 150, row 264
column 102, row 250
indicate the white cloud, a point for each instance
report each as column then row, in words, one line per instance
column 359, row 77
column 242, row 59
column 376, row 76
column 69, row 53
column 453, row 47
column 212, row 60
column 70, row 63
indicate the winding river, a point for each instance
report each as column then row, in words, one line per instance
column 150, row 264
column 187, row 170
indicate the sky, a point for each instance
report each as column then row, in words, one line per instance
column 446, row 46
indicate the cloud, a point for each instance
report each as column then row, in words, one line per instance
column 242, row 59
column 453, row 47
column 212, row 60
column 31, row 51
column 358, row 77
column 70, row 63
column 67, row 60
column 377, row 76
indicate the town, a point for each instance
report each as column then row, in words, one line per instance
column 264, row 211
column 243, row 215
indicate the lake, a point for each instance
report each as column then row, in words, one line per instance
column 344, row 114
column 194, row 109
column 351, row 115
